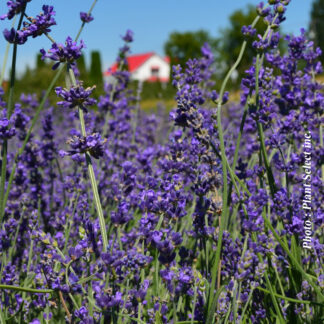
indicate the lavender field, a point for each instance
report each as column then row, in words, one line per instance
column 209, row 213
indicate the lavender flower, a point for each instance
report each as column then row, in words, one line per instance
column 248, row 31
column 35, row 321
column 93, row 144
column 15, row 36
column 262, row 11
column 128, row 37
column 75, row 97
column 261, row 45
column 60, row 53
column 7, row 130
column 85, row 17
column 15, row 7
column 40, row 25
column 35, row 27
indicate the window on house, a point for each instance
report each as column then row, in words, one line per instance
column 155, row 71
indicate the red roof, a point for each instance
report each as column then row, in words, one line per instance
column 166, row 59
column 134, row 62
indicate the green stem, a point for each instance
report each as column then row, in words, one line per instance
column 69, row 224
column 246, row 304
column 298, row 301
column 9, row 113
column 91, row 173
column 133, row 319
column 270, row 176
column 175, row 319
column 61, row 179
column 194, row 304
column 224, row 210
column 272, row 294
column 258, row 64
column 5, row 59
column 13, row 69
column 156, row 274
column 76, row 306
column 31, row 290
column 293, row 261
column 278, row 278
column 3, row 177
column 224, row 170
column 229, row 306
column 83, row 24
column 119, row 238
column 238, row 140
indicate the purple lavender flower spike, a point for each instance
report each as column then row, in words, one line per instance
column 15, row 8
column 12, row 36
column 128, row 37
column 40, row 25
column 248, row 31
column 76, row 96
column 260, row 45
column 34, row 27
column 7, row 130
column 91, row 143
column 64, row 53
column 85, row 17
column 263, row 12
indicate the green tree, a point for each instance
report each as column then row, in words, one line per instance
column 35, row 80
column 40, row 64
column 230, row 41
column 95, row 74
column 180, row 47
column 317, row 25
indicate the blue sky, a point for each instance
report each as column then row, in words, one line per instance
column 151, row 20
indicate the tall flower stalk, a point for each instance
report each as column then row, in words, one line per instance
column 9, row 113
column 91, row 172
column 215, row 268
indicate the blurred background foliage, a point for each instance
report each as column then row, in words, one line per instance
column 316, row 26
column 179, row 47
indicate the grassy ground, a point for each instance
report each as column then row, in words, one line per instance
column 150, row 105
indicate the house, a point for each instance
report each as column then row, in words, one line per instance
column 149, row 67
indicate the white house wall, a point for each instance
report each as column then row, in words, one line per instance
column 144, row 71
